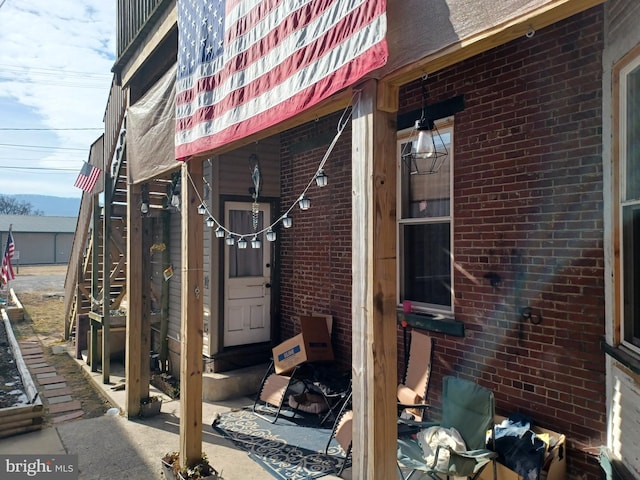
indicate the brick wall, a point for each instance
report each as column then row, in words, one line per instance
column 316, row 251
column 528, row 206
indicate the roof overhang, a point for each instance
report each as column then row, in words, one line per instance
column 530, row 16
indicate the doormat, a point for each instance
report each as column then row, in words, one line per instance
column 290, row 449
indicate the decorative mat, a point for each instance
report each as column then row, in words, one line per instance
column 290, row 449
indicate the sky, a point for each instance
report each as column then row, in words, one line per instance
column 55, row 74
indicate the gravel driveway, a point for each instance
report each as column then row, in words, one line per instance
column 46, row 279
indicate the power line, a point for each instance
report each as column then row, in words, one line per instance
column 41, row 169
column 6, row 129
column 42, row 146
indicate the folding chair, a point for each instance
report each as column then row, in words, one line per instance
column 467, row 408
column 412, row 392
column 342, row 432
column 274, row 390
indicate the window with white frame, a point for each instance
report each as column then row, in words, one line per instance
column 628, row 172
column 425, row 236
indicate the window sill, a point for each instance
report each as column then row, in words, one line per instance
column 622, row 355
column 432, row 323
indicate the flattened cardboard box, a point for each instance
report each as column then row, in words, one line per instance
column 312, row 344
column 554, row 467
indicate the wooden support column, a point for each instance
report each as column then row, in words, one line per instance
column 374, row 360
column 138, row 312
column 191, row 331
column 106, row 279
column 95, row 276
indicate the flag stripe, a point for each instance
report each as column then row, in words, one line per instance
column 275, row 59
column 249, row 66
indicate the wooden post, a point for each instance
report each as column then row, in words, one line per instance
column 95, row 275
column 191, row 335
column 133, row 365
column 106, row 278
column 374, row 360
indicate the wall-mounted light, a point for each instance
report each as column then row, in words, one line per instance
column 287, row 221
column 304, row 203
column 271, row 235
column 211, row 222
column 242, row 243
column 202, row 209
column 219, row 232
column 425, row 152
column 255, row 242
column 322, row 179
column 144, row 199
column 174, row 194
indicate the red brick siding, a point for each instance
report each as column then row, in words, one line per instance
column 528, row 206
column 316, row 250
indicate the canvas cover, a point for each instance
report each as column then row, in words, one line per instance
column 150, row 131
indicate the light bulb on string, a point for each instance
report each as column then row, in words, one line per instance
column 242, row 243
column 229, row 240
column 219, row 232
column 202, row 209
column 304, row 203
column 287, row 221
column 211, row 222
column 271, row 235
column 321, row 179
column 255, row 243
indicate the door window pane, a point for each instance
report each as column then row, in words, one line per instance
column 244, row 262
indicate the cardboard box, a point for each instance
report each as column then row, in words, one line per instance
column 312, row 344
column 554, row 467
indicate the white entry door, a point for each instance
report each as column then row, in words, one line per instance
column 247, row 303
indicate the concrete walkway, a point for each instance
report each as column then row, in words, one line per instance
column 114, row 447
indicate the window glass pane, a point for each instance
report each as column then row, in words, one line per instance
column 631, row 266
column 244, row 262
column 427, row 196
column 426, row 276
column 633, row 135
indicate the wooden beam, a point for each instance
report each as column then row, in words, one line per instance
column 374, row 288
column 133, row 378
column 551, row 12
column 191, row 334
column 106, row 268
column 95, row 282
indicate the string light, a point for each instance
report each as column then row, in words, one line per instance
column 320, row 178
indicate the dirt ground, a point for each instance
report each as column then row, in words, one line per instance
column 40, row 289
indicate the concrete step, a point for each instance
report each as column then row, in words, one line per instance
column 232, row 384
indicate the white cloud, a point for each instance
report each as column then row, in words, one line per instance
column 55, row 71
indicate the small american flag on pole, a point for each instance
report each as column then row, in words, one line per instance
column 6, row 273
column 246, row 65
column 87, row 177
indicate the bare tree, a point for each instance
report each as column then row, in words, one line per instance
column 12, row 206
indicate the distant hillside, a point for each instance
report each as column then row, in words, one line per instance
column 51, row 206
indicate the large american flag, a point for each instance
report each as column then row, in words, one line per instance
column 6, row 272
column 245, row 65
